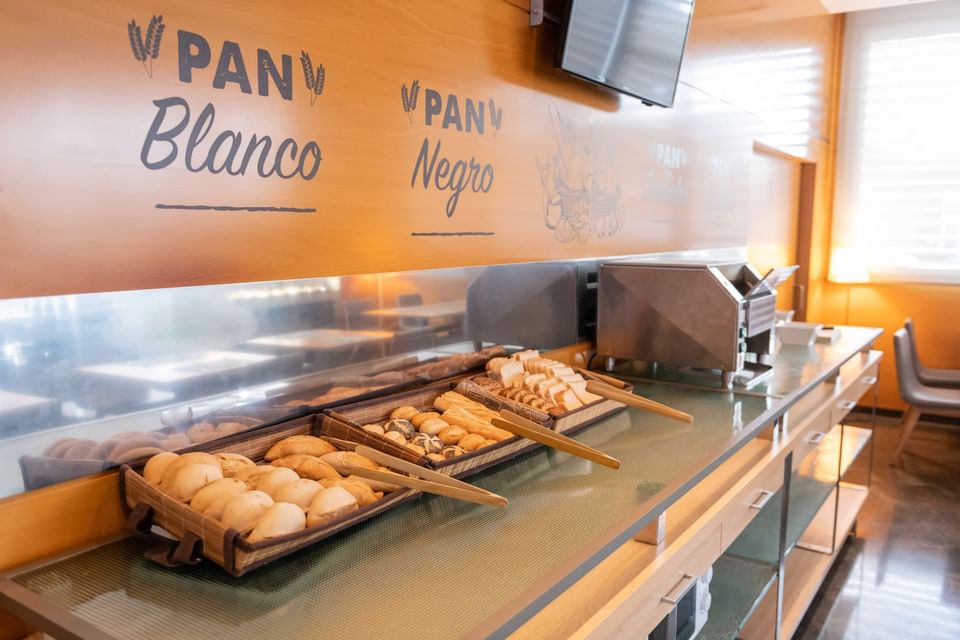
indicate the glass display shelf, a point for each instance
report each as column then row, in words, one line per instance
column 810, row 488
column 737, row 587
column 374, row 580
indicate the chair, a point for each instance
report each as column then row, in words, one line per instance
column 354, row 314
column 922, row 399
column 411, row 300
column 926, row 375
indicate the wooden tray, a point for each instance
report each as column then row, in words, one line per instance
column 198, row 536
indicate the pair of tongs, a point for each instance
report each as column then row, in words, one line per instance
column 520, row 426
column 422, row 479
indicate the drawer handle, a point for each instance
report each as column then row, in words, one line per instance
column 816, row 437
column 869, row 380
column 847, row 405
column 675, row 594
column 761, row 500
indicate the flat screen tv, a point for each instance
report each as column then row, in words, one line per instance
column 632, row 46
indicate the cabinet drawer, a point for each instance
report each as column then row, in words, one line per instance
column 851, row 394
column 811, row 435
column 654, row 593
column 748, row 502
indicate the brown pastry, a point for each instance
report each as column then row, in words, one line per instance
column 420, row 418
column 451, row 435
column 403, row 413
column 309, row 445
column 307, row 466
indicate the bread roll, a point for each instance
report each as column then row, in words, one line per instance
column 434, row 426
column 420, row 418
column 417, row 449
column 430, row 444
column 57, row 449
column 138, row 454
column 403, row 413
column 194, row 457
column 102, row 450
column 231, row 463
column 452, row 451
column 471, row 442
column 307, row 466
column 309, row 445
column 396, row 436
column 213, row 491
column 281, row 519
column 451, row 435
column 252, row 475
column 341, row 460
column 243, row 511
column 215, row 510
column 190, row 479
column 363, row 494
column 272, row 482
column 229, row 428
column 131, row 443
column 436, row 457
column 202, row 432
column 157, row 465
column 401, row 426
column 373, row 428
column 329, row 505
column 175, row 441
column 301, row 493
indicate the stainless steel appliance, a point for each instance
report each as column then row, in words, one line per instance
column 715, row 316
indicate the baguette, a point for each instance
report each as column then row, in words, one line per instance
column 471, row 424
column 452, row 398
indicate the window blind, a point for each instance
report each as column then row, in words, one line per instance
column 898, row 154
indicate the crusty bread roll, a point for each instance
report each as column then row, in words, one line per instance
column 231, row 463
column 155, row 467
column 329, row 505
column 215, row 510
column 102, row 450
column 57, row 449
column 436, row 457
column 132, row 443
column 420, row 418
column 243, row 511
column 396, row 436
column 190, row 479
column 342, row 460
column 471, row 442
column 307, row 466
column 252, row 475
column 279, row 520
column 363, row 494
column 138, row 454
column 373, row 428
column 403, row 413
column 308, row 445
column 301, row 493
column 194, row 457
column 229, row 428
column 202, row 432
column 417, row 449
column 215, row 490
column 275, row 480
column 175, row 441
column 451, row 435
column 433, row 426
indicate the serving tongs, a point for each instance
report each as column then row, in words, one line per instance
column 422, row 479
column 520, row 426
column 600, row 385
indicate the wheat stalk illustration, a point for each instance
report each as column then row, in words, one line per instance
column 146, row 50
column 409, row 98
column 314, row 81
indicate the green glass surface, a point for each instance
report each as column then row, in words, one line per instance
column 434, row 568
column 736, row 588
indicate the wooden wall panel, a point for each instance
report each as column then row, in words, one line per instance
column 78, row 207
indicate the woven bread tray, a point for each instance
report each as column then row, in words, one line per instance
column 198, row 536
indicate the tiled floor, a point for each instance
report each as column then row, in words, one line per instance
column 900, row 577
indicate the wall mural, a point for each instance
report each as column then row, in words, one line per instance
column 580, row 188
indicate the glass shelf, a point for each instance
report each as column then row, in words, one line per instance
column 737, row 587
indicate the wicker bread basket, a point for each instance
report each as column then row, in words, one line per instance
column 198, row 536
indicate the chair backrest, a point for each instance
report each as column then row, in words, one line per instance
column 907, row 379
column 411, row 300
column 912, row 343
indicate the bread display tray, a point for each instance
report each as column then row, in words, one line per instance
column 198, row 536
column 347, row 421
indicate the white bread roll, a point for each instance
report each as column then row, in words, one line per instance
column 153, row 470
column 215, row 490
column 301, row 493
column 276, row 479
column 215, row 510
column 309, row 445
column 253, row 475
column 279, row 520
column 196, row 457
column 330, row 504
column 243, row 511
column 190, row 479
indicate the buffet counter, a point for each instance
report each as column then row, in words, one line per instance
column 438, row 568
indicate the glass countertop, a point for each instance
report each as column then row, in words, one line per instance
column 434, row 567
